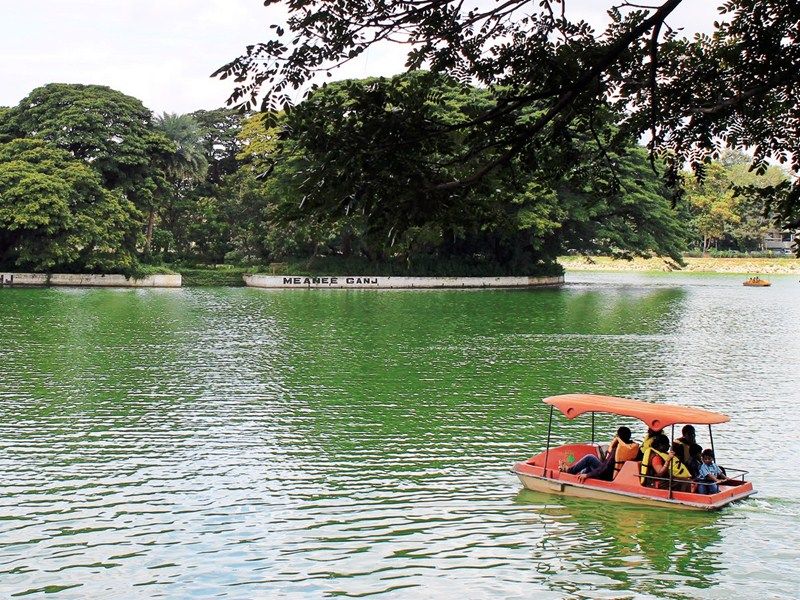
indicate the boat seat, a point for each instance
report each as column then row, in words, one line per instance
column 629, row 473
column 571, row 453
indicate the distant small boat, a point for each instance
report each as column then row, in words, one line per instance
column 757, row 282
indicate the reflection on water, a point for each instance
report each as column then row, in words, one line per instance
column 245, row 443
column 586, row 546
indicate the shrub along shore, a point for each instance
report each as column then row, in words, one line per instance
column 744, row 265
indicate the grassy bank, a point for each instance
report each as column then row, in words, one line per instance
column 752, row 266
column 223, row 275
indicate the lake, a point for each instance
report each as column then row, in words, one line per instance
column 243, row 443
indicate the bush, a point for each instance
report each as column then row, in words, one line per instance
column 215, row 275
column 419, row 267
column 736, row 254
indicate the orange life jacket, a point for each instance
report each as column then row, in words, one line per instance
column 624, row 453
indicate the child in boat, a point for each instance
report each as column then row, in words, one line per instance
column 709, row 475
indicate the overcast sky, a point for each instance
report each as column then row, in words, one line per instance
column 163, row 51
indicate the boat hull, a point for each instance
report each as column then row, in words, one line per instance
column 626, row 486
column 550, row 486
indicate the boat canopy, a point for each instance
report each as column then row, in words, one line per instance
column 655, row 416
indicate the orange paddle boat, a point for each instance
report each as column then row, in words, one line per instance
column 757, row 282
column 631, row 484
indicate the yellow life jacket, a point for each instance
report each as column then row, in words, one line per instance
column 679, row 470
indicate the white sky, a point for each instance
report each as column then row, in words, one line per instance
column 163, row 51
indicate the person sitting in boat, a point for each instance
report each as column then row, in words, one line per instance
column 626, row 449
column 695, row 458
column 620, row 449
column 648, row 439
column 687, row 449
column 657, row 463
column 709, row 476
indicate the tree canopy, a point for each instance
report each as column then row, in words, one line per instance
column 371, row 170
column 109, row 130
column 723, row 208
column 358, row 176
column 55, row 212
column 544, row 70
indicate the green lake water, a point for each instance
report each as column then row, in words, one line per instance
column 242, row 443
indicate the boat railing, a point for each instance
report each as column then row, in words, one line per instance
column 738, row 474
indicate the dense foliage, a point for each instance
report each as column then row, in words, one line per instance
column 55, row 212
column 90, row 180
column 374, row 174
column 722, row 211
column 545, row 71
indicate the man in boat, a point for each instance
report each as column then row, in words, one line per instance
column 687, row 449
column 621, row 449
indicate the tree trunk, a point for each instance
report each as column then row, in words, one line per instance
column 347, row 242
column 148, row 236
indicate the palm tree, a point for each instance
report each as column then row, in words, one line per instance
column 187, row 165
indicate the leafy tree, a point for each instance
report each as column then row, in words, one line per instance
column 108, row 130
column 189, row 160
column 544, row 70
column 196, row 220
column 625, row 216
column 348, row 179
column 722, row 205
column 258, row 139
column 219, row 136
column 55, row 213
column 713, row 205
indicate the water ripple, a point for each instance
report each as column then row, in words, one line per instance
column 241, row 443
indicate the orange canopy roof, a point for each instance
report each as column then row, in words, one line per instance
column 655, row 416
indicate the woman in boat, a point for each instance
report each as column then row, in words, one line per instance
column 657, row 463
column 648, row 439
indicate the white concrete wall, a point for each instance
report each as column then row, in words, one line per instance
column 364, row 282
column 68, row 279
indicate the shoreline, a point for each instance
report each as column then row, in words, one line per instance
column 731, row 266
column 238, row 276
column 397, row 283
column 11, row 280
